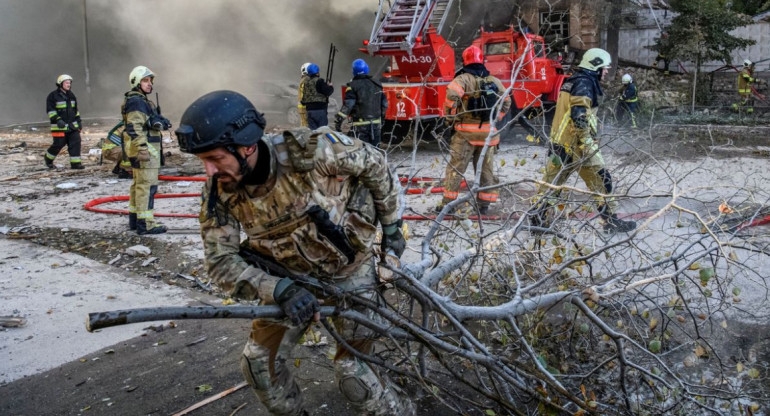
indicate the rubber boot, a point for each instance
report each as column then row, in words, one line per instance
column 116, row 170
column 483, row 209
column 614, row 224
column 77, row 165
column 48, row 162
column 124, row 174
column 141, row 228
column 132, row 221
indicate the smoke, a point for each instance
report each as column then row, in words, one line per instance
column 193, row 46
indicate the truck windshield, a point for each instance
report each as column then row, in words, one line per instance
column 539, row 49
column 502, row 48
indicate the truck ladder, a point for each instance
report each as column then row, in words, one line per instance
column 398, row 28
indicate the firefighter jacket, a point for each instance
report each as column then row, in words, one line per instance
column 138, row 135
column 629, row 94
column 315, row 92
column 575, row 125
column 461, row 89
column 316, row 216
column 62, row 105
column 365, row 102
column 745, row 79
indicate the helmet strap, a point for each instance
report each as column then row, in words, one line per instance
column 245, row 169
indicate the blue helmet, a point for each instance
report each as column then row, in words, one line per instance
column 312, row 69
column 360, row 67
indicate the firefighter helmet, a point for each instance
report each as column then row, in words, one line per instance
column 219, row 119
column 360, row 67
column 303, row 69
column 312, row 69
column 627, row 79
column 747, row 62
column 139, row 73
column 62, row 78
column 472, row 55
column 595, row 59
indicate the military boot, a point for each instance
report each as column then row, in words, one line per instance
column 141, row 228
column 48, row 162
column 613, row 224
column 76, row 165
column 132, row 221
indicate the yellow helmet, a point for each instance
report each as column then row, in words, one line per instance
column 137, row 74
column 595, row 58
column 62, row 78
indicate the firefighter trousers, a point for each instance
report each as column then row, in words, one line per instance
column 370, row 133
column 70, row 139
column 561, row 166
column 142, row 195
column 464, row 147
column 268, row 361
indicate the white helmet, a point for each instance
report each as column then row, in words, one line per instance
column 62, row 78
column 747, row 62
column 594, row 59
column 137, row 74
column 304, row 67
column 627, row 79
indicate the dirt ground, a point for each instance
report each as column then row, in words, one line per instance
column 60, row 262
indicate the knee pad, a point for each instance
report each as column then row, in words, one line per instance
column 606, row 179
column 358, row 382
column 355, row 390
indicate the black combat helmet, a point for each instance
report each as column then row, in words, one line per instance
column 219, row 119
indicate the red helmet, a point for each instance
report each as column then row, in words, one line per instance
column 472, row 55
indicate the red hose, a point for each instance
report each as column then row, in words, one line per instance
column 90, row 205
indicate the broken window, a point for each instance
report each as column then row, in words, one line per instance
column 554, row 26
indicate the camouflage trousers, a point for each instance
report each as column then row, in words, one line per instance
column 267, row 362
column 463, row 149
column 142, row 195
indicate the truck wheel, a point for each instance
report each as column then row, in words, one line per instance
column 394, row 132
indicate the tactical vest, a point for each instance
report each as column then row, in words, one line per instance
column 368, row 99
column 306, row 221
column 310, row 92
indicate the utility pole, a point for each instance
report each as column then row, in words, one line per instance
column 85, row 52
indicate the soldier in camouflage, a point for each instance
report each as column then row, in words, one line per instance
column 309, row 201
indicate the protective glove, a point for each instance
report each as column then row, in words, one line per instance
column 61, row 124
column 73, row 127
column 296, row 302
column 392, row 239
column 338, row 119
column 143, row 155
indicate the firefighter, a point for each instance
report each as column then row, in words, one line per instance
column 628, row 100
column 62, row 108
column 112, row 149
column 301, row 107
column 366, row 105
column 283, row 192
column 663, row 41
column 472, row 126
column 142, row 140
column 315, row 97
column 574, row 142
column 745, row 80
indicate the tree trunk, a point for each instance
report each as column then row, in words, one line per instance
column 613, row 33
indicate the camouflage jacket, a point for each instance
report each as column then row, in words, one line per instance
column 137, row 134
column 346, row 180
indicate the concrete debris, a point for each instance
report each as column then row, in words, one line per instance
column 138, row 251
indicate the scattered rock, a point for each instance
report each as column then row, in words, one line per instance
column 138, row 251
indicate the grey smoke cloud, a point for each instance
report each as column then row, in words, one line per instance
column 194, row 46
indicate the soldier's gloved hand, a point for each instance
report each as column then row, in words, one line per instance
column 297, row 303
column 392, row 239
column 143, row 155
column 338, row 119
column 61, row 124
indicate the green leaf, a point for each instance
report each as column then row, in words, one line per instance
column 654, row 346
column 490, row 412
column 203, row 388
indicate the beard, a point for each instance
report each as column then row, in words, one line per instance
column 229, row 186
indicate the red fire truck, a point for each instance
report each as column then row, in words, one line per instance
column 422, row 64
